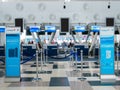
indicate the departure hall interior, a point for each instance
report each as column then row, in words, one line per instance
column 59, row 44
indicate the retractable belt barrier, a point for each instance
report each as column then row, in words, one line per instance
column 71, row 53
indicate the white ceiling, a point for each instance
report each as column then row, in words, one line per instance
column 56, row 0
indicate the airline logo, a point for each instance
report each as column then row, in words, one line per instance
column 13, row 29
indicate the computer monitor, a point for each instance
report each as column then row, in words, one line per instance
column 28, row 30
column 62, row 33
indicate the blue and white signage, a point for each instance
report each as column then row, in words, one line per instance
column 107, row 51
column 50, row 29
column 79, row 28
column 95, row 28
column 2, row 29
column 12, row 52
column 34, row 28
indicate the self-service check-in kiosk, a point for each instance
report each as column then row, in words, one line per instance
column 12, row 51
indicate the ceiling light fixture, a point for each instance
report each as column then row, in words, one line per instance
column 64, row 5
column 4, row 0
column 67, row 0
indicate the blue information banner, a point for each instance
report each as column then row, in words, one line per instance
column 12, row 55
column 79, row 28
column 50, row 29
column 34, row 28
column 2, row 29
column 107, row 51
column 95, row 28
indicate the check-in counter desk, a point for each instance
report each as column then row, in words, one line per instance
column 85, row 49
column 81, row 47
column 96, row 51
column 52, row 49
column 29, row 49
column 2, row 51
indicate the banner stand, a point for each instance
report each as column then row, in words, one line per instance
column 107, row 62
column 12, row 51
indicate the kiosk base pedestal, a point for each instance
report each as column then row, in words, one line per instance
column 108, row 78
column 8, row 80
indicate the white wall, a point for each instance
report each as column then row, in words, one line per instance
column 77, row 11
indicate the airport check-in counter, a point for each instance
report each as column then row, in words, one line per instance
column 85, row 49
column 52, row 49
column 96, row 51
column 29, row 49
column 81, row 47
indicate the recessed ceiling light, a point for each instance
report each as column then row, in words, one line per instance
column 67, row 0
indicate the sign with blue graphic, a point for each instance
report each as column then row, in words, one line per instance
column 34, row 28
column 79, row 28
column 50, row 29
column 95, row 28
column 12, row 53
column 107, row 51
column 2, row 29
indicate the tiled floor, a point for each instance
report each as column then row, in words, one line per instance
column 58, row 76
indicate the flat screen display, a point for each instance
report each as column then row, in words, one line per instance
column 109, row 21
column 41, row 33
column 85, row 33
column 19, row 23
column 64, row 24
